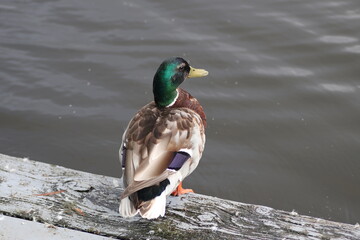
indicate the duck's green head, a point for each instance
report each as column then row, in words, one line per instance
column 171, row 73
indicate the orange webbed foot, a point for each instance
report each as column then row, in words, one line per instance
column 180, row 190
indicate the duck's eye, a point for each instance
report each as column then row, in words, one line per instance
column 181, row 68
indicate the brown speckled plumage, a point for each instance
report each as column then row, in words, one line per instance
column 188, row 101
column 151, row 126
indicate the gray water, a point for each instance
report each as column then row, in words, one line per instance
column 282, row 98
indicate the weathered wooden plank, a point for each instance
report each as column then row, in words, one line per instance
column 87, row 202
column 19, row 229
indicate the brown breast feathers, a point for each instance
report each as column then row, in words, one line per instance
column 188, row 101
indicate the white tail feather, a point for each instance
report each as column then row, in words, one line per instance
column 154, row 208
column 126, row 208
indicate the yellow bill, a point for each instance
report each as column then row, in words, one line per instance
column 197, row 72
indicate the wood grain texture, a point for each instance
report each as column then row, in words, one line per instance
column 78, row 200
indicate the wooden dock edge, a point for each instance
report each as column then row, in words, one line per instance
column 60, row 197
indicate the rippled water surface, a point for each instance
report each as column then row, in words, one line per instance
column 282, row 98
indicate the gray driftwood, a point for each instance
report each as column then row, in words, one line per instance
column 86, row 202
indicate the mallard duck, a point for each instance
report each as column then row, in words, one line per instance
column 163, row 143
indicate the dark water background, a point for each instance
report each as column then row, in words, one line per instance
column 282, row 98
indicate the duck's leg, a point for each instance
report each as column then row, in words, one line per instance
column 180, row 190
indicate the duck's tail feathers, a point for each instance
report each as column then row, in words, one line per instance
column 153, row 208
column 127, row 208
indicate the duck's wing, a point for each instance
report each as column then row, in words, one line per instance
column 152, row 141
